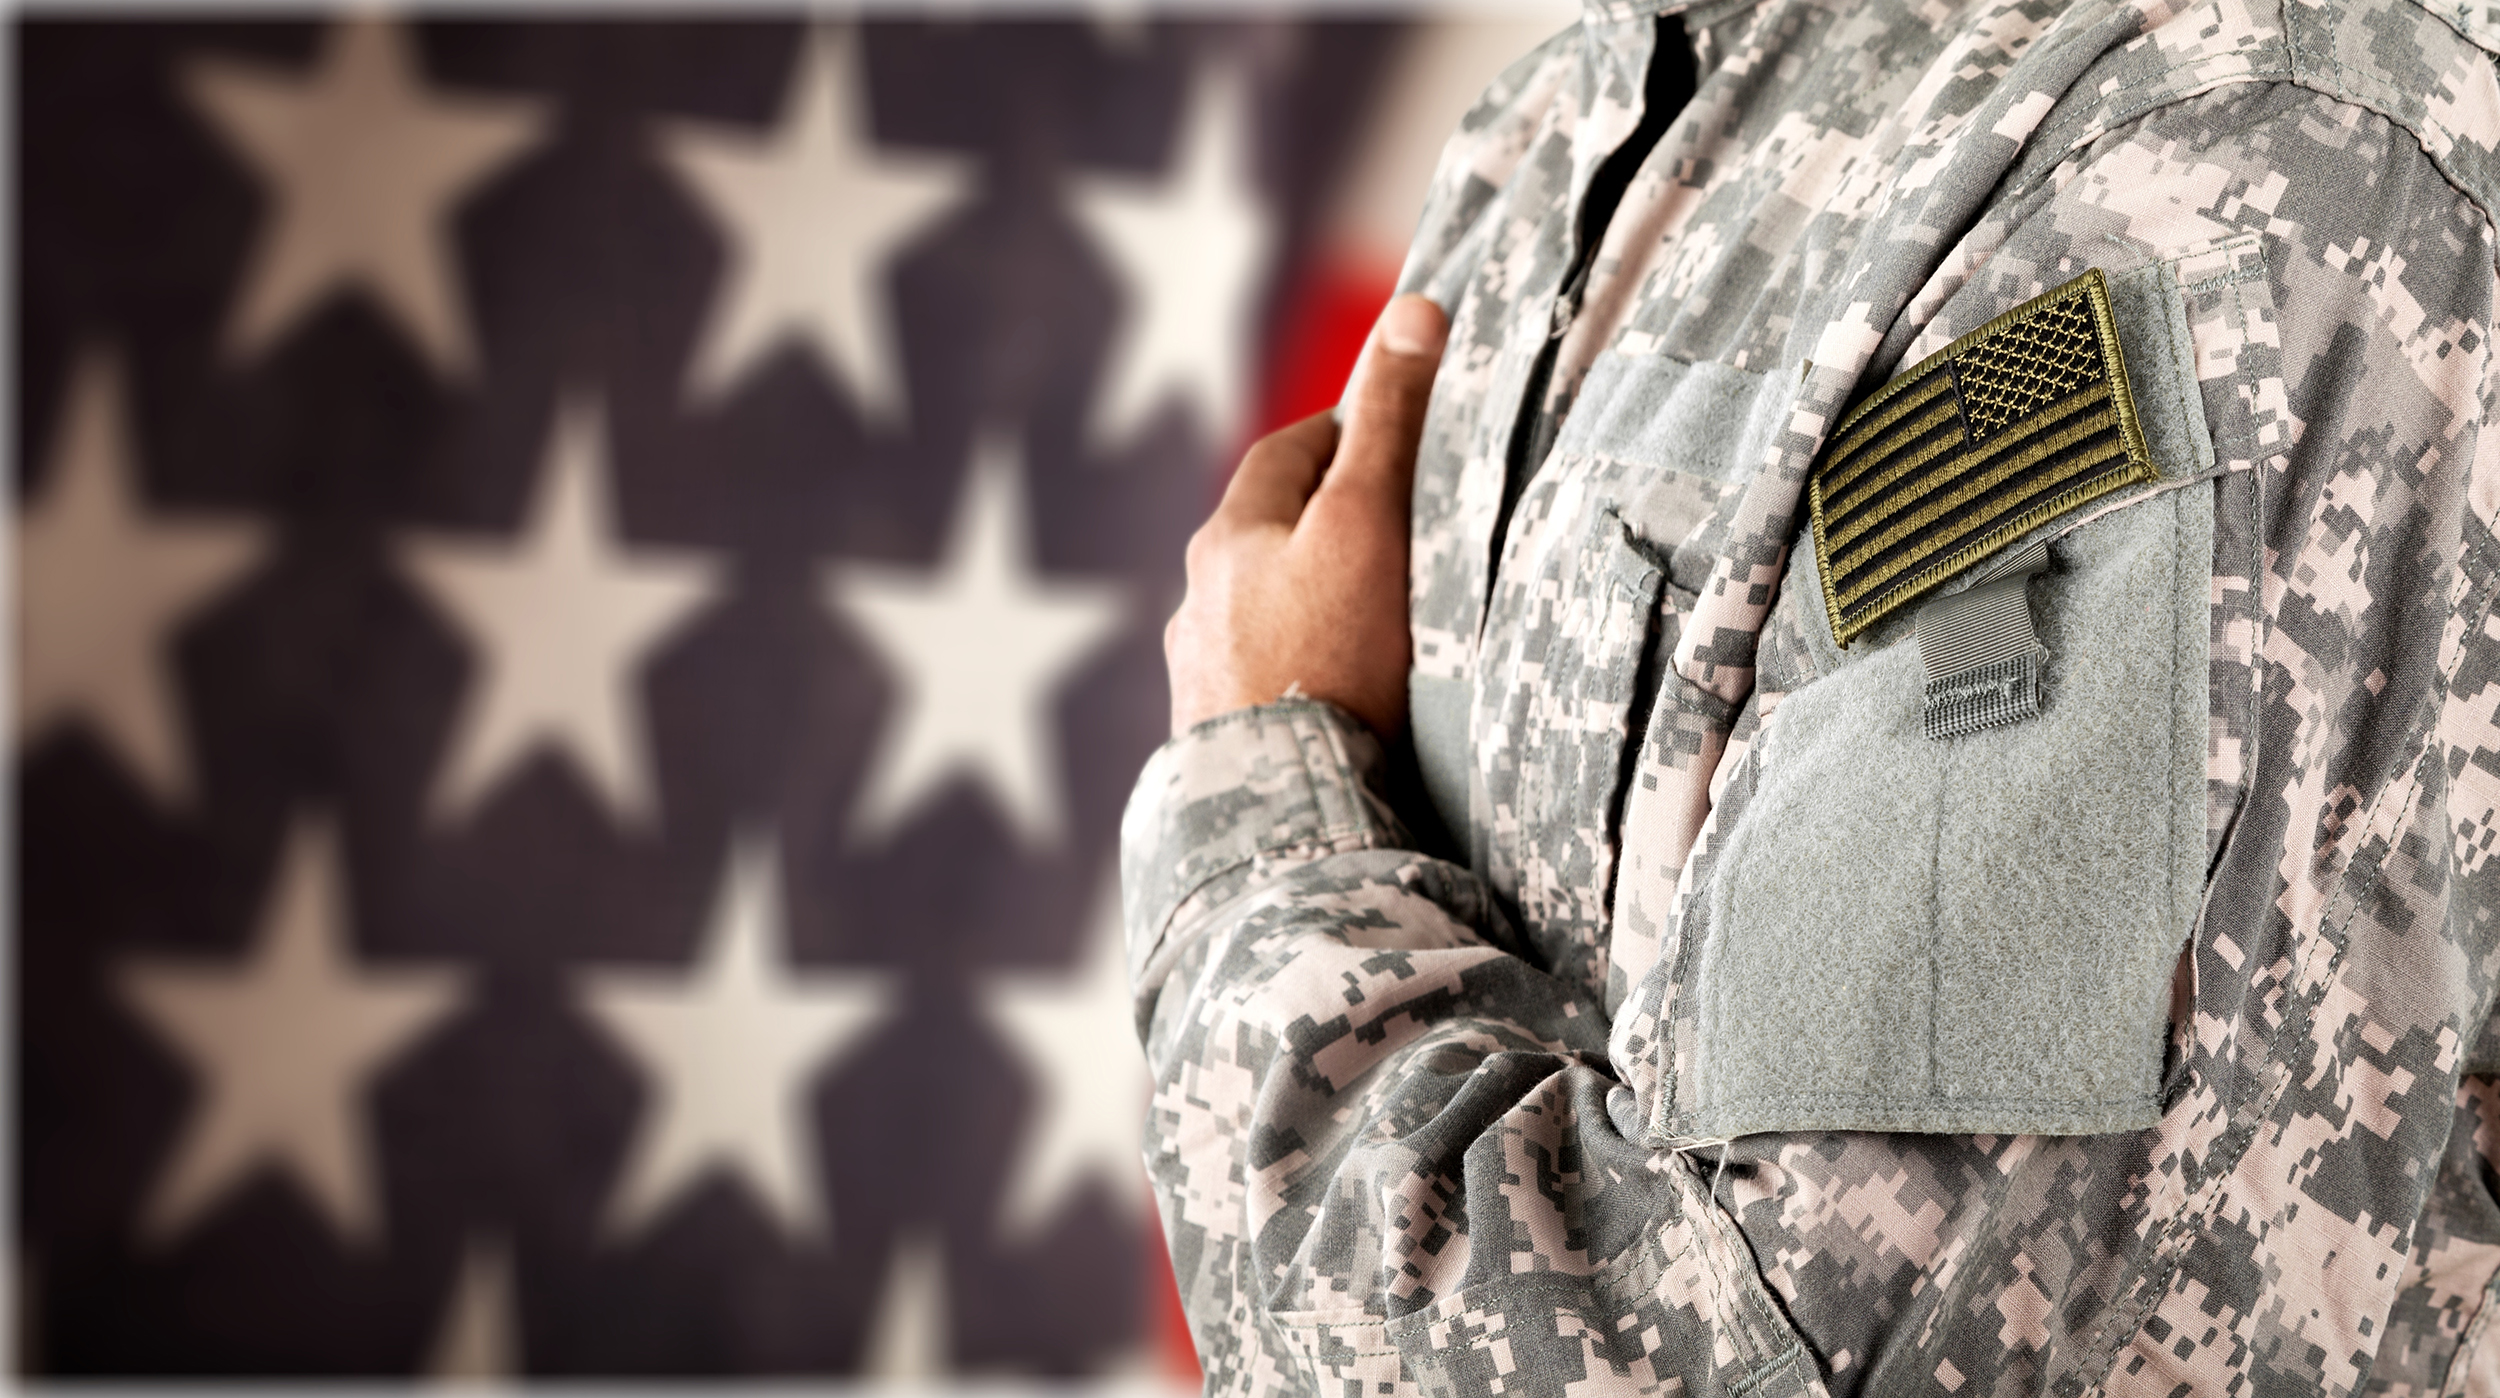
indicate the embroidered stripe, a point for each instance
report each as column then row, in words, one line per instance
column 2007, row 446
column 1950, row 505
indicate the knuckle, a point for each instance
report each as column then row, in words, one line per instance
column 1265, row 456
column 1198, row 555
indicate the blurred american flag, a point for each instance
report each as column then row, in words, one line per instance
column 589, row 595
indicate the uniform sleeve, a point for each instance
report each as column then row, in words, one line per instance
column 1311, row 991
column 1384, row 1143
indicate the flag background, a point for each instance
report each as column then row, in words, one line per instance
column 589, row 593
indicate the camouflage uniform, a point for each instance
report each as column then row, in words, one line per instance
column 1456, row 1120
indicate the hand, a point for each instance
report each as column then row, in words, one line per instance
column 1299, row 578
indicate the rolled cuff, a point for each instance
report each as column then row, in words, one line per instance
column 1227, row 800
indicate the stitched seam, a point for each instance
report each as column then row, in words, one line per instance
column 1935, row 912
column 1709, row 1240
column 2077, row 131
column 1320, row 1330
column 1714, row 998
column 1635, row 1269
column 1303, row 736
column 2385, row 92
column 2203, row 612
column 1840, row 1099
column 2243, row 441
column 2115, row 119
column 2182, row 356
column 2452, row 1382
column 2220, row 280
column 2236, row 1141
column 1766, row 1369
column 1665, row 1115
column 2258, row 628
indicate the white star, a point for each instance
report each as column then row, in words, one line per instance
column 284, row 1044
column 908, row 1345
column 562, row 619
column 814, row 213
column 1189, row 254
column 479, row 1344
column 365, row 167
column 730, row 1049
column 1120, row 24
column 976, row 650
column 107, row 582
column 1077, row 1033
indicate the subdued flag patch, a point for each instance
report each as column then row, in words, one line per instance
column 2012, row 425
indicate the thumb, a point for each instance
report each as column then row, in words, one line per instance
column 1384, row 407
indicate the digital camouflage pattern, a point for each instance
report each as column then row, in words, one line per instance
column 1417, row 1125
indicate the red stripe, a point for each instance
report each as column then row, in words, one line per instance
column 1326, row 316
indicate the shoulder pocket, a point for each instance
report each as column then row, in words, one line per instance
column 1976, row 933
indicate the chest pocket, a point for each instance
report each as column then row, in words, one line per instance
column 1974, row 934
column 1527, row 758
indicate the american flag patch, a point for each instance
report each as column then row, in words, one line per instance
column 2011, row 426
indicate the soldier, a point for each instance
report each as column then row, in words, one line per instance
column 1950, row 661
